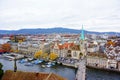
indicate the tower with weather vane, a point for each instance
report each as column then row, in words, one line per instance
column 82, row 43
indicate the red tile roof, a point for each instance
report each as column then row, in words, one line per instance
column 20, row 75
column 65, row 45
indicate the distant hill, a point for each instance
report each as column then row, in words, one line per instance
column 51, row 30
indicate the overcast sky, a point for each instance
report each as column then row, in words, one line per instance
column 95, row 15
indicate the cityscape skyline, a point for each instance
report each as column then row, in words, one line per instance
column 99, row 15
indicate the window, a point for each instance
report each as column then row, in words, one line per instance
column 69, row 51
column 75, row 54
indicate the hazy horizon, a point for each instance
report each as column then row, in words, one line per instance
column 94, row 15
column 61, row 27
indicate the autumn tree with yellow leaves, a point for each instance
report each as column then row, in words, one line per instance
column 6, row 47
column 38, row 54
column 53, row 56
column 110, row 42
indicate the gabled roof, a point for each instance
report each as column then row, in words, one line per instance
column 20, row 75
column 64, row 46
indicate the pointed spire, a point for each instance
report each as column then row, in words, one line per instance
column 82, row 34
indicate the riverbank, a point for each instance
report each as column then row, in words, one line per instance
column 69, row 73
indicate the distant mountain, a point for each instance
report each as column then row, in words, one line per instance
column 51, row 30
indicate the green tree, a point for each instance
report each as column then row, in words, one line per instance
column 1, row 71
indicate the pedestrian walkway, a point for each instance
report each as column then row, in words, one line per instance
column 81, row 73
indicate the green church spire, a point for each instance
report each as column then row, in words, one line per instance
column 82, row 34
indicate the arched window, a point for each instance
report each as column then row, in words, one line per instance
column 69, row 51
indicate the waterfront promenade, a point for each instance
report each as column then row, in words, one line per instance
column 81, row 72
column 68, row 62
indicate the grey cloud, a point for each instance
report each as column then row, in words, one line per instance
column 94, row 14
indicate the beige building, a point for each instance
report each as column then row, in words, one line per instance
column 97, row 62
column 23, row 47
column 70, row 50
column 101, row 61
column 112, row 64
column 75, row 52
column 28, row 48
column 60, row 49
column 92, row 47
column 14, row 47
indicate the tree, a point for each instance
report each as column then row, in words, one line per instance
column 45, row 55
column 53, row 56
column 38, row 54
column 110, row 42
column 6, row 47
column 1, row 71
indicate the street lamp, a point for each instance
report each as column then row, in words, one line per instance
column 15, row 65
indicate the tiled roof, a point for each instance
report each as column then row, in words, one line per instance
column 64, row 46
column 60, row 46
column 20, row 75
column 67, row 45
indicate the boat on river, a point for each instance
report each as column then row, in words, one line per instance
column 23, row 61
column 43, row 66
column 48, row 64
column 51, row 63
column 28, row 64
column 37, row 61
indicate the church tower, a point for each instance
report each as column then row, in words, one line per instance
column 82, row 43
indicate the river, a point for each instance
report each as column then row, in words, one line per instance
column 67, row 72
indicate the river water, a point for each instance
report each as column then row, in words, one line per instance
column 63, row 71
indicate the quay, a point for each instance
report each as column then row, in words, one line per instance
column 12, row 56
column 104, row 69
column 70, row 65
column 68, row 62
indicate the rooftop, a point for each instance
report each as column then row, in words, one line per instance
column 20, row 75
